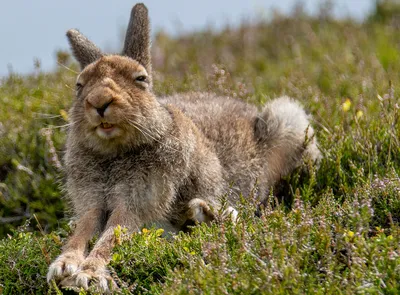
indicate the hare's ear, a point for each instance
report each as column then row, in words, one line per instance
column 137, row 39
column 82, row 48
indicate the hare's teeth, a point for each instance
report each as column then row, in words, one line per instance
column 106, row 125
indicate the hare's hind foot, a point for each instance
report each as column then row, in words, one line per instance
column 199, row 211
column 231, row 213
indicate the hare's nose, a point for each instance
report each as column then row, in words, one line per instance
column 102, row 109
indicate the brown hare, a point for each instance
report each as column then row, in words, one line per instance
column 134, row 159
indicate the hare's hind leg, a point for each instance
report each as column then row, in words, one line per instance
column 200, row 211
column 285, row 135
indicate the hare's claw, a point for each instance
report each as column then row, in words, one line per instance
column 90, row 276
column 65, row 265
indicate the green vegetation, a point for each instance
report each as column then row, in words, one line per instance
column 332, row 230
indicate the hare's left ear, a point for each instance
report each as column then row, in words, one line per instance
column 82, row 48
column 137, row 39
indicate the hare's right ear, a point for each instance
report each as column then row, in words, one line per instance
column 137, row 39
column 83, row 49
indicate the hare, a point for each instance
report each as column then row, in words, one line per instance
column 134, row 159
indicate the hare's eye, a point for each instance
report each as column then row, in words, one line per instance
column 78, row 86
column 141, row 79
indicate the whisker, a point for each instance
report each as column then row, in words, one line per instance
column 65, row 67
column 61, row 126
column 140, row 130
column 69, row 87
column 141, row 116
column 47, row 116
column 147, row 134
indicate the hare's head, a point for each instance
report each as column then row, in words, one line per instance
column 115, row 108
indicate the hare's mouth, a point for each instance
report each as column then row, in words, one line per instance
column 107, row 131
column 106, row 125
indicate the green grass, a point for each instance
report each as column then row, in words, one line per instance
column 332, row 230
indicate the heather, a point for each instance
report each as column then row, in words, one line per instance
column 331, row 228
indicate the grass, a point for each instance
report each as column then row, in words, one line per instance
column 332, row 230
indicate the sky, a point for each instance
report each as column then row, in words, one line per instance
column 35, row 29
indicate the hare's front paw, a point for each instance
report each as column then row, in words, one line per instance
column 91, row 273
column 65, row 265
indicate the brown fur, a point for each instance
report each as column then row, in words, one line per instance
column 165, row 160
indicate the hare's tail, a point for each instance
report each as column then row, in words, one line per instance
column 283, row 129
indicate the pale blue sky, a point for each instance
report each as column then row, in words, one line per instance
column 36, row 28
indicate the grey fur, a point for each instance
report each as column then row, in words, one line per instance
column 83, row 49
column 163, row 160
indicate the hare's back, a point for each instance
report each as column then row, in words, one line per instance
column 228, row 124
column 218, row 117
